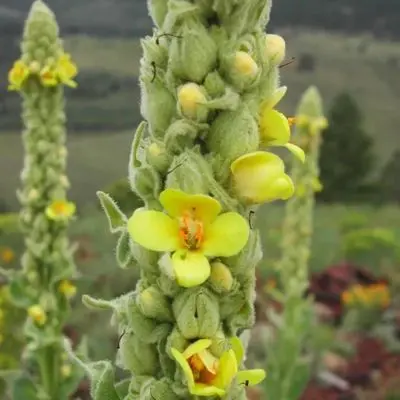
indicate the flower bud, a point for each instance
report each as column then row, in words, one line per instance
column 158, row 10
column 194, row 54
column 153, row 304
column 180, row 135
column 37, row 314
column 197, row 313
column 233, row 134
column 275, row 47
column 221, row 278
column 186, row 175
column 157, row 156
column 191, row 100
column 244, row 64
column 157, row 106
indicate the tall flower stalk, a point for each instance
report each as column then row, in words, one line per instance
column 43, row 286
column 199, row 161
column 289, row 368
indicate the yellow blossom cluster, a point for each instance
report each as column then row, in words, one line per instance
column 371, row 296
column 61, row 71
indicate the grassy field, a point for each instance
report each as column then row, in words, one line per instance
column 367, row 68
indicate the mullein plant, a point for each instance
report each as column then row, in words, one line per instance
column 288, row 367
column 200, row 162
column 44, row 285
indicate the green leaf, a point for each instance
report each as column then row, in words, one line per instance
column 24, row 389
column 19, row 293
column 102, row 381
column 123, row 250
column 116, row 218
column 122, row 388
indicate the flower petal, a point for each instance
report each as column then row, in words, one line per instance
column 282, row 189
column 191, row 268
column 237, row 347
column 257, row 158
column 181, row 360
column 176, row 203
column 200, row 389
column 274, row 128
column 227, row 370
column 276, row 97
column 296, row 151
column 154, row 230
column 226, row 236
column 259, row 177
column 196, row 347
column 251, row 376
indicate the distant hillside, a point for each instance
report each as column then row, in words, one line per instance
column 129, row 17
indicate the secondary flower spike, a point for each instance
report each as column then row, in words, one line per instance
column 193, row 230
column 207, row 375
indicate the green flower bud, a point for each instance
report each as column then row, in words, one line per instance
column 158, row 105
column 158, row 9
column 194, row 54
column 146, row 182
column 241, row 69
column 157, row 156
column 221, row 278
column 153, row 304
column 180, row 135
column 192, row 102
column 136, row 356
column 149, row 330
column 186, row 175
column 153, row 52
column 214, row 84
column 233, row 134
column 197, row 313
column 160, row 390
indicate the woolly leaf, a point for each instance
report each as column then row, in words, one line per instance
column 116, row 218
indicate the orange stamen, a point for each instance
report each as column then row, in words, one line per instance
column 191, row 231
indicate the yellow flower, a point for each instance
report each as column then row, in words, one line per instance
column 191, row 98
column 66, row 70
column 206, row 375
column 193, row 230
column 17, row 75
column 60, row 210
column 260, row 177
column 48, row 77
column 274, row 127
column 67, row 288
column 244, row 64
column 38, row 315
column 6, row 255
